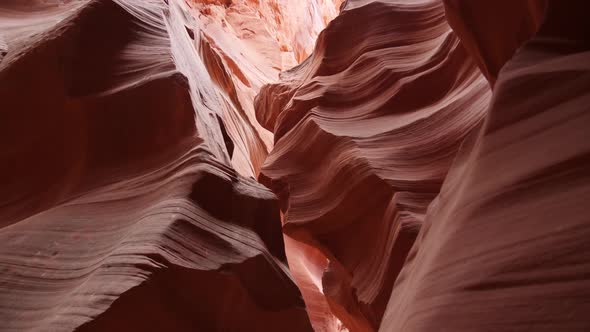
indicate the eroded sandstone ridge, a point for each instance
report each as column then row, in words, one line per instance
column 207, row 165
column 128, row 156
column 365, row 132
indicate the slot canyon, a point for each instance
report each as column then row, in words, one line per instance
column 295, row 165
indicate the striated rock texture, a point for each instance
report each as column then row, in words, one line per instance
column 427, row 160
column 365, row 132
column 127, row 162
column 505, row 245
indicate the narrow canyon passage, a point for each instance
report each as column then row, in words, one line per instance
column 280, row 165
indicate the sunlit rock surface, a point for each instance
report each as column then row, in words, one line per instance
column 244, row 45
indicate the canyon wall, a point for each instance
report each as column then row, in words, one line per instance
column 129, row 151
column 504, row 246
column 369, row 128
column 365, row 132
column 182, row 165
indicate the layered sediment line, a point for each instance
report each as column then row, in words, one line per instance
column 365, row 132
column 422, row 166
column 504, row 246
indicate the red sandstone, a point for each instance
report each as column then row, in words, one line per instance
column 278, row 165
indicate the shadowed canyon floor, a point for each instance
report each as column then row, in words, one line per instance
column 278, row 165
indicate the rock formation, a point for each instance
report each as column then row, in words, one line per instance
column 207, row 165
column 245, row 44
column 493, row 30
column 128, row 157
column 505, row 245
column 365, row 132
column 367, row 129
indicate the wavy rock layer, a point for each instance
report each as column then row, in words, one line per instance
column 505, row 245
column 127, row 200
column 412, row 199
column 365, row 132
